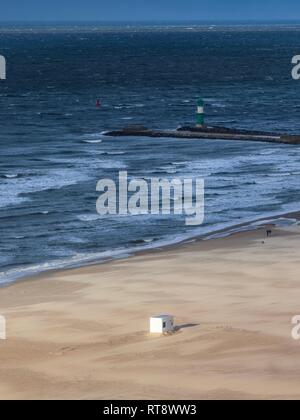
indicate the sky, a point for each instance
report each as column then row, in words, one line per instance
column 115, row 10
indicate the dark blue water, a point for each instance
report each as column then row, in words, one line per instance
column 52, row 152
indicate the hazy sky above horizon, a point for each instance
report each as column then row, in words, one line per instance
column 99, row 10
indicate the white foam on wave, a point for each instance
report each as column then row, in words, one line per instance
column 149, row 240
column 11, row 192
column 94, row 136
column 167, row 169
column 92, row 141
column 88, row 217
column 11, row 176
column 13, row 188
column 85, row 165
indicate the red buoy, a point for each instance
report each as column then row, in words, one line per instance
column 98, row 103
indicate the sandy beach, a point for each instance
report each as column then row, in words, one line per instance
column 83, row 333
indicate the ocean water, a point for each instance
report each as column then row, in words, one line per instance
column 53, row 152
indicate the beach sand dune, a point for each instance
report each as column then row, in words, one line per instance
column 83, row 333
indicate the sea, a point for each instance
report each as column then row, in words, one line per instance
column 53, row 150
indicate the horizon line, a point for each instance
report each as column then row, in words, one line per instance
column 203, row 21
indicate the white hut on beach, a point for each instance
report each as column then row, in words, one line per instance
column 160, row 324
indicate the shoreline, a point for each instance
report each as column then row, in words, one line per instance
column 128, row 253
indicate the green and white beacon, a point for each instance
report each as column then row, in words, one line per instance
column 200, row 113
